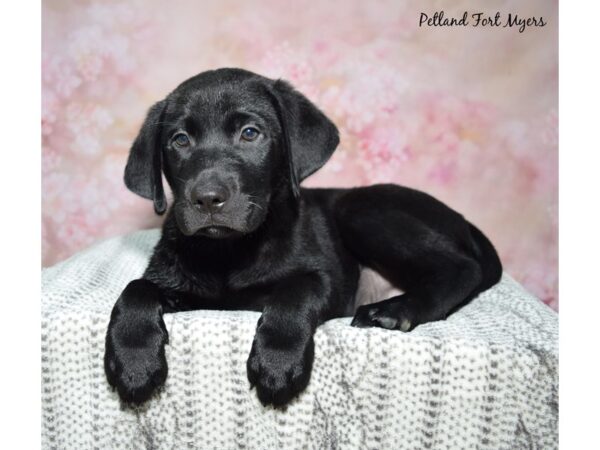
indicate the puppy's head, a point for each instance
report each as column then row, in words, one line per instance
column 229, row 142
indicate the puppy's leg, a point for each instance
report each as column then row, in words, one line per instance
column 421, row 246
column 436, row 294
column 134, row 359
column 281, row 358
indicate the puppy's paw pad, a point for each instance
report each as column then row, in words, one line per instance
column 388, row 323
column 405, row 325
column 364, row 316
column 389, row 316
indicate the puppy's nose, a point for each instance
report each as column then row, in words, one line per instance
column 210, row 199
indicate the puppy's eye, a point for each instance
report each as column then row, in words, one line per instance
column 181, row 140
column 250, row 134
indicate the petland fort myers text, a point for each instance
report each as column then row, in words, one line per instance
column 482, row 20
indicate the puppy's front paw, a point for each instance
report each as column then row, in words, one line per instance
column 279, row 374
column 392, row 314
column 135, row 367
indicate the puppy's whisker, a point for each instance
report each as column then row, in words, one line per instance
column 180, row 179
column 257, row 205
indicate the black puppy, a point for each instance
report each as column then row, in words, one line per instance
column 242, row 234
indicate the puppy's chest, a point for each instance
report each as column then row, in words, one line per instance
column 236, row 288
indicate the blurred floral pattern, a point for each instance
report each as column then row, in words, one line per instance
column 466, row 114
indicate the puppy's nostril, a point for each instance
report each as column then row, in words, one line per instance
column 210, row 201
column 215, row 201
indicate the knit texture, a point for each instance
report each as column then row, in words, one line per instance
column 485, row 378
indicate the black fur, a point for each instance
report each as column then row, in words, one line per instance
column 242, row 234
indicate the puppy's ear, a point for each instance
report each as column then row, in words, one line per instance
column 143, row 173
column 309, row 136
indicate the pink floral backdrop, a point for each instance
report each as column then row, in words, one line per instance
column 466, row 114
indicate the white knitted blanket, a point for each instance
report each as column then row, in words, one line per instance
column 485, row 378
